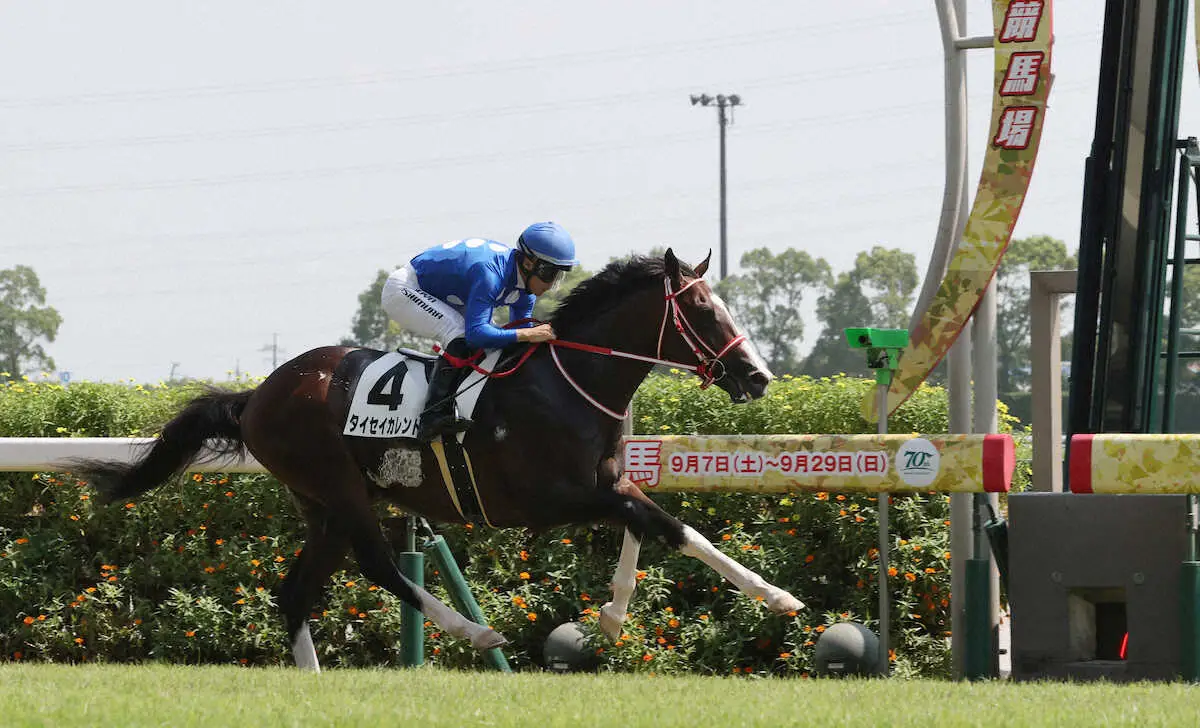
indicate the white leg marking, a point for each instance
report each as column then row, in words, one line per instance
column 747, row 582
column 612, row 614
column 303, row 650
column 481, row 636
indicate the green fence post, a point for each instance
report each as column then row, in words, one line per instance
column 412, row 622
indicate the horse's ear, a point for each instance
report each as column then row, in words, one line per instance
column 703, row 267
column 671, row 264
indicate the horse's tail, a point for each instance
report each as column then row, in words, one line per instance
column 213, row 419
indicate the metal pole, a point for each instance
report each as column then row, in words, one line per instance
column 722, row 122
column 412, row 622
column 884, row 383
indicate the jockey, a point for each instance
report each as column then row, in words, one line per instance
column 449, row 293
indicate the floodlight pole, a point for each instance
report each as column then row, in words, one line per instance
column 723, row 120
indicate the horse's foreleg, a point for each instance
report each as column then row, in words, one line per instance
column 612, row 614
column 747, row 582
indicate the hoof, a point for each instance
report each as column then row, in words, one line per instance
column 611, row 621
column 488, row 639
column 783, row 603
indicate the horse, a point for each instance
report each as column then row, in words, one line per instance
column 544, row 443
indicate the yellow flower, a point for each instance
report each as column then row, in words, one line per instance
column 524, row 575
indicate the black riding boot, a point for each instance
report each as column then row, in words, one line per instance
column 441, row 413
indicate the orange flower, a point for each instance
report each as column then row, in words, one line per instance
column 229, row 494
column 566, row 540
column 197, row 477
column 278, row 559
column 930, row 570
column 820, row 628
column 532, row 617
column 220, row 542
column 129, row 505
column 29, row 620
column 647, row 657
column 112, row 578
column 524, row 575
column 673, row 623
column 21, row 541
column 190, row 633
column 254, row 562
column 892, row 571
column 784, row 655
column 910, row 576
column 724, row 537
column 79, row 640
column 822, row 496
column 524, row 555
column 584, row 597
column 809, row 559
column 641, row 575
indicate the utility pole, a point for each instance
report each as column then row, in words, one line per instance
column 273, row 347
column 722, row 102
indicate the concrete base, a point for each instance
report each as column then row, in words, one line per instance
column 1092, row 576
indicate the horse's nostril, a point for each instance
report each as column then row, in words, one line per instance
column 759, row 378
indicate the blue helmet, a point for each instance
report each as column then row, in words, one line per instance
column 550, row 243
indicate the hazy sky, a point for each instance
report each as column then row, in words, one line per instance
column 189, row 179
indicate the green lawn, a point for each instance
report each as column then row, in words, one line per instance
column 216, row 697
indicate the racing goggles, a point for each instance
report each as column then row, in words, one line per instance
column 547, row 271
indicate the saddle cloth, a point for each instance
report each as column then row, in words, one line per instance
column 390, row 395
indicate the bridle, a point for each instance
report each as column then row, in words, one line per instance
column 710, row 369
column 709, row 365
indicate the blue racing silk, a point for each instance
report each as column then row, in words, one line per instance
column 475, row 276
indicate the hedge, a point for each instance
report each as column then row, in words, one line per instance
column 187, row 573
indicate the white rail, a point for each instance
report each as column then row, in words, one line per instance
column 50, row 454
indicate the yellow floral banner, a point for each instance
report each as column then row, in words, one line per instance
column 1135, row 463
column 1022, row 72
column 785, row 463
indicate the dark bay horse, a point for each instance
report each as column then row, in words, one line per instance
column 544, row 443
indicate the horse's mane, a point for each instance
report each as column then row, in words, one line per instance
column 617, row 280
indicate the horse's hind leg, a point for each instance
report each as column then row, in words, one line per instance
column 324, row 551
column 373, row 552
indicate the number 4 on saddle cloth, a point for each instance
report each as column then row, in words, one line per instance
column 390, row 394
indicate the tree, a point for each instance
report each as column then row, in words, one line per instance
column 24, row 319
column 877, row 292
column 767, row 297
column 1039, row 252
